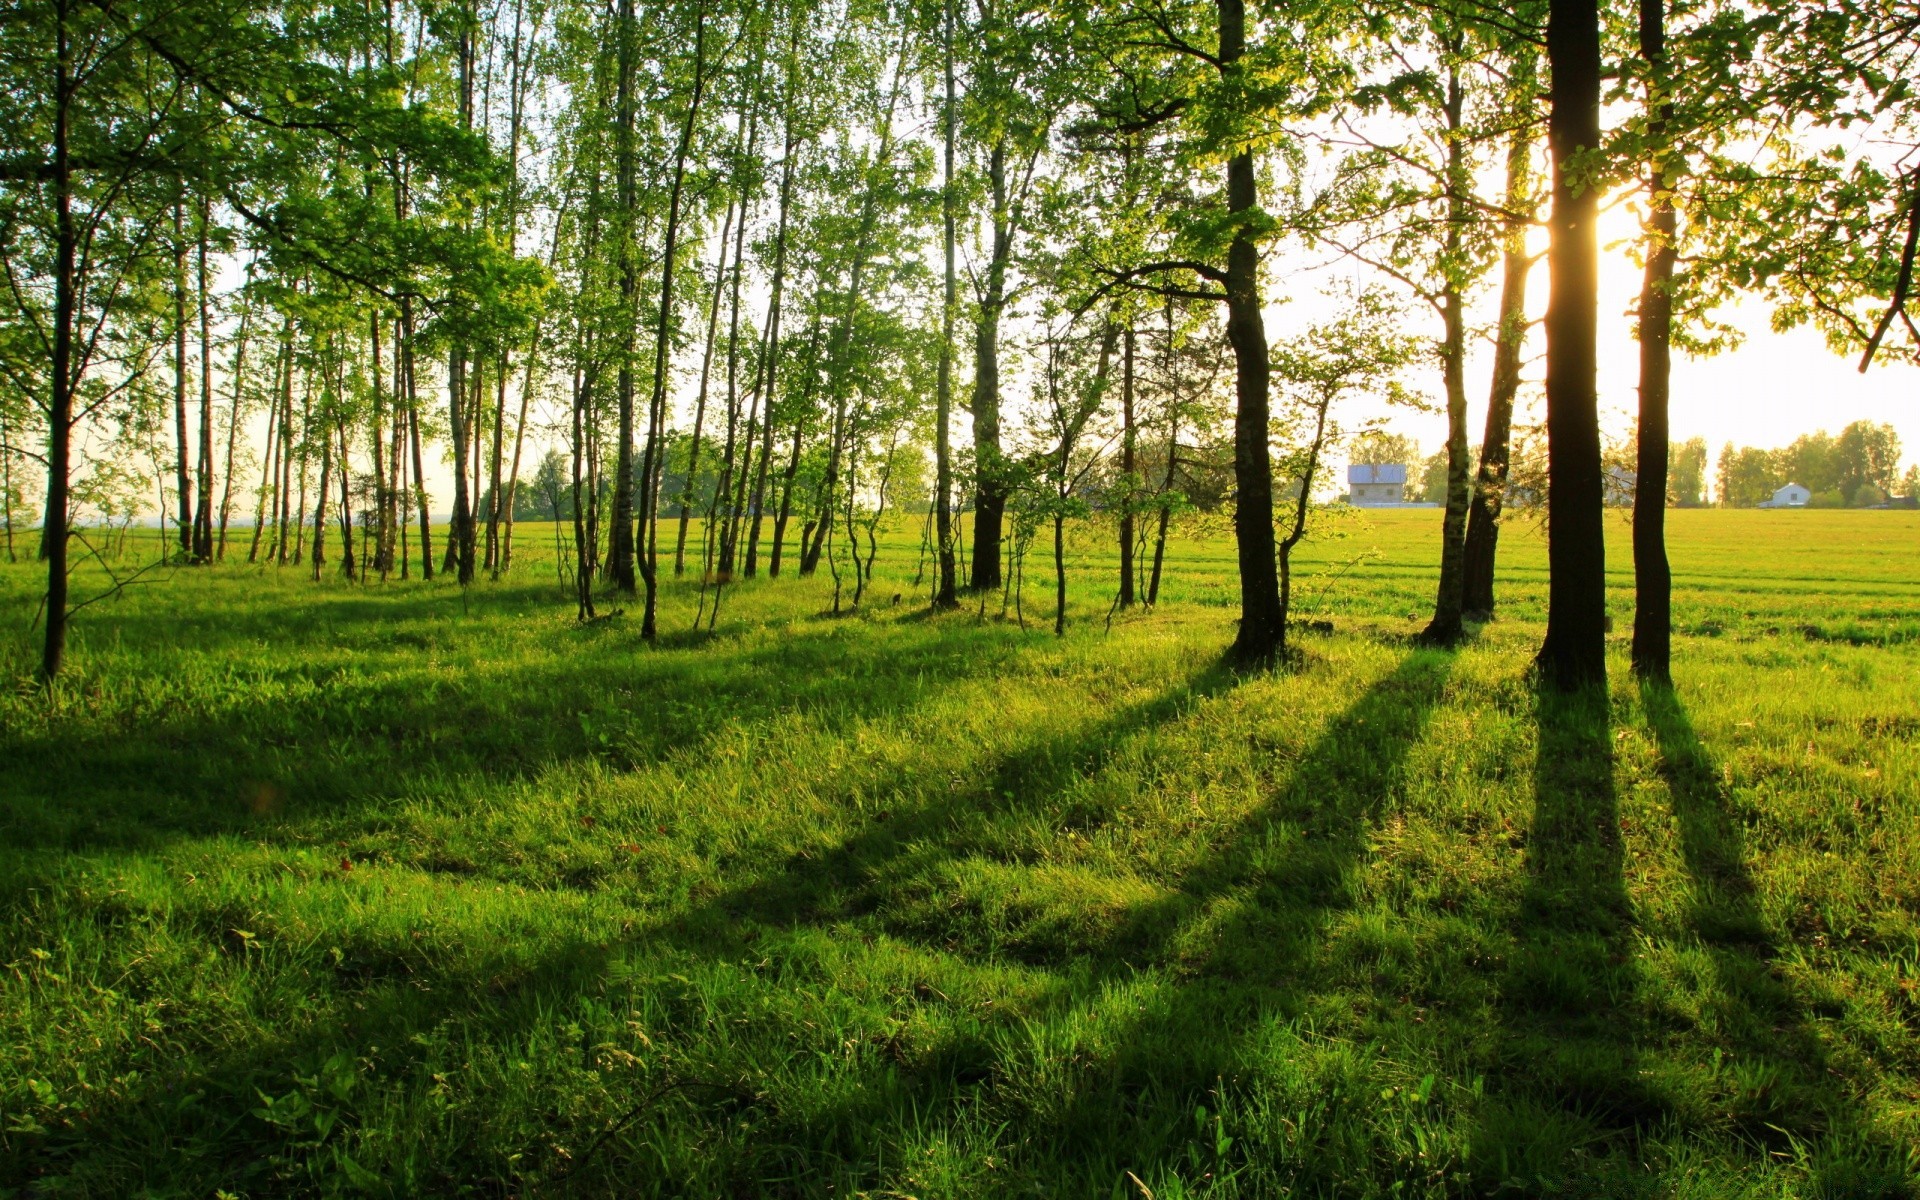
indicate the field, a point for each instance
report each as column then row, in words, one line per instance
column 388, row 889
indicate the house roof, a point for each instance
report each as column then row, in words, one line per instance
column 1377, row 473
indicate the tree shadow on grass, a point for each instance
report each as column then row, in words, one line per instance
column 1567, row 1100
column 316, row 746
column 1779, row 1090
column 387, row 1008
column 1228, row 946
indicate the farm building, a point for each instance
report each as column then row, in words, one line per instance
column 1790, row 496
column 1376, row 485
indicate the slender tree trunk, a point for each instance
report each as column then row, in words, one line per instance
column 318, row 558
column 1574, row 652
column 700, row 404
column 1652, row 576
column 1166, row 510
column 663, row 334
column 233, row 430
column 1263, row 621
column 203, row 511
column 513, row 470
column 944, row 595
column 770, row 362
column 1446, row 628
column 496, row 481
column 346, row 502
column 276, row 448
column 770, row 353
column 989, row 465
column 1128, row 473
column 413, row 437
column 1490, row 481
column 53, row 535
column 793, row 459
column 288, row 516
column 620, row 557
column 180, row 375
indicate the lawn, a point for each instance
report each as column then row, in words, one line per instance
column 391, row 889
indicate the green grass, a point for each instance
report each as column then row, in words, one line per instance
column 389, row 890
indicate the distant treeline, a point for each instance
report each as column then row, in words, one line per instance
column 1854, row 470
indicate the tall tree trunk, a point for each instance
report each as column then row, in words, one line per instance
column 1490, row 481
column 318, row 558
column 180, row 376
column 1446, row 627
column 1128, row 473
column 382, row 559
column 53, row 534
column 346, row 502
column 944, row 594
column 620, row 558
column 276, row 445
column 203, row 510
column 770, row 351
column 770, row 365
column 793, row 459
column 461, row 533
column 413, row 438
column 513, row 467
column 700, row 403
column 1652, row 576
column 663, row 333
column 989, row 464
column 1574, row 652
column 1263, row 622
column 1166, row 511
column 496, row 482
column 233, row 431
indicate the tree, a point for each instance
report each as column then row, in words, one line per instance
column 1687, row 474
column 1573, row 654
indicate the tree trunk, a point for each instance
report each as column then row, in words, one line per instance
column 1166, row 511
column 1446, row 627
column 1652, row 576
column 203, row 510
column 1263, row 622
column 1574, row 652
column 663, row 333
column 989, row 466
column 319, row 556
column 233, row 430
column 413, row 437
column 276, row 446
column 53, row 534
column 944, row 595
column 1128, row 475
column 770, row 361
column 180, row 376
column 1490, row 481
column 700, row 404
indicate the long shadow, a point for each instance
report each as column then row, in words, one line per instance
column 1234, row 939
column 1240, row 943
column 310, row 746
column 1566, row 1096
column 506, row 995
column 1780, row 1090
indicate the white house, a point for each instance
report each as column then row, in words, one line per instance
column 1790, row 496
column 1376, row 485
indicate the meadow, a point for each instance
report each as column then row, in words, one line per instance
column 392, row 889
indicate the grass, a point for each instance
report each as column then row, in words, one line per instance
column 390, row 890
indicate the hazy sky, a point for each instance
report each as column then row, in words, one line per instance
column 1771, row 389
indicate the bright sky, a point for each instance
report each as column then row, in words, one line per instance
column 1768, row 391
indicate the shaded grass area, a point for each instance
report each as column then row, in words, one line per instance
column 315, row 890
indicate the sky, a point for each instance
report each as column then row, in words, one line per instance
column 1766, row 392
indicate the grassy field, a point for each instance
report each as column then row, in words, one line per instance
column 393, row 890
